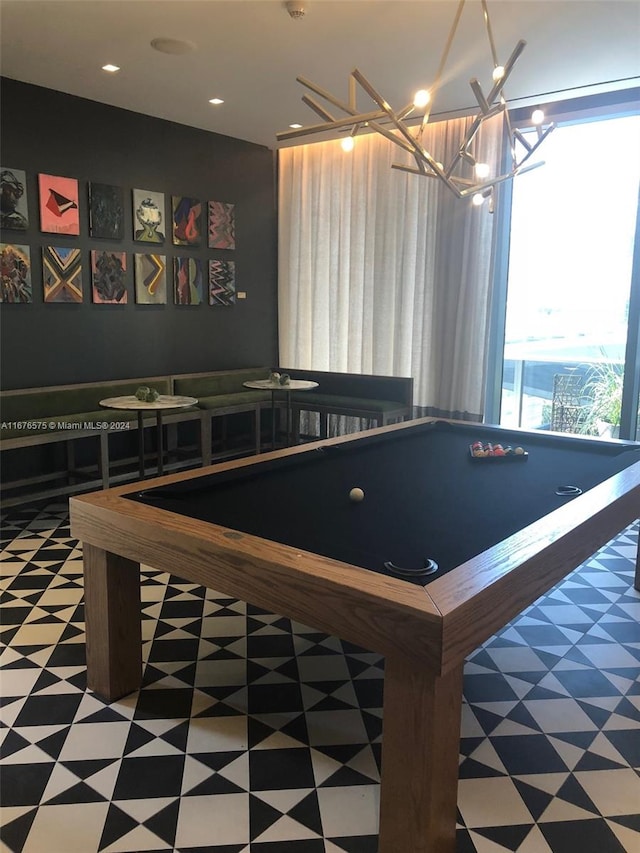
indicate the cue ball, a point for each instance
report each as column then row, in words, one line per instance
column 356, row 495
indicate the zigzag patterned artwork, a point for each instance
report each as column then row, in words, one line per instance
column 151, row 279
column 61, row 274
column 222, row 282
column 222, row 225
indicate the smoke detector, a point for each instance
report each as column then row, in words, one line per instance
column 295, row 9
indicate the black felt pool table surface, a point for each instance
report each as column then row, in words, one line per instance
column 425, row 496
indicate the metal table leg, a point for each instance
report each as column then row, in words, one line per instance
column 160, row 441
column 141, row 443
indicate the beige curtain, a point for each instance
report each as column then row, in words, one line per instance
column 385, row 272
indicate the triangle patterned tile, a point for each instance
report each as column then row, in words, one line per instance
column 283, row 800
column 629, row 705
column 286, row 829
column 262, row 815
column 15, row 827
column 346, row 777
column 104, row 780
column 485, row 754
column 81, row 793
column 491, row 802
column 139, row 839
column 628, row 838
column 570, row 754
column 511, row 728
column 11, row 708
column 271, row 670
column 237, row 771
column 616, row 722
column 154, row 747
column 582, row 740
column 323, row 766
column 278, row 740
column 195, row 773
column 535, row 799
column 575, row 793
column 215, row 784
column 558, row 715
column 593, row 762
column 78, row 829
column 506, row 837
column 360, row 844
column 23, row 753
column 297, row 728
column 61, row 780
column 535, row 843
column 631, row 821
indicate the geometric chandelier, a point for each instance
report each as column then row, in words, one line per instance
column 463, row 175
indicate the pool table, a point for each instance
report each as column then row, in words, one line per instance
column 443, row 550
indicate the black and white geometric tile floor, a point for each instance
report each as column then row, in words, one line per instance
column 255, row 734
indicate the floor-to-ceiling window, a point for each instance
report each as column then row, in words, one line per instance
column 570, row 332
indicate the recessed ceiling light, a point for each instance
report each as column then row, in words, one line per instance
column 175, row 46
column 295, row 126
column 216, row 101
column 111, row 68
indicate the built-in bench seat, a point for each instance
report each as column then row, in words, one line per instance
column 67, row 413
column 379, row 399
column 222, row 393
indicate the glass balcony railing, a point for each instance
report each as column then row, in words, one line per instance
column 567, row 386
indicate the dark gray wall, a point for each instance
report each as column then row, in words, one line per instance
column 54, row 343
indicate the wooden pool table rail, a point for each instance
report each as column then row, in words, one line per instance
column 480, row 596
column 425, row 634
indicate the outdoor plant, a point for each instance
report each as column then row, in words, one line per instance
column 603, row 397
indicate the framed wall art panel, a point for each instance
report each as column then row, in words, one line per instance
column 108, row 277
column 151, row 279
column 222, row 225
column 187, row 281
column 186, row 220
column 148, row 216
column 106, row 211
column 15, row 273
column 59, row 212
column 222, row 282
column 14, row 211
column 61, row 274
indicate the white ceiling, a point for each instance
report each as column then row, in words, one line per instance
column 249, row 52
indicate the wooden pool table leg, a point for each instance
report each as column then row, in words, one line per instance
column 112, row 617
column 420, row 748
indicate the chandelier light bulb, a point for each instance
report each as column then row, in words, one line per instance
column 410, row 134
column 347, row 143
column 537, row 116
column 421, row 98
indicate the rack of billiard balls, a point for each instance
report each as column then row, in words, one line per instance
column 487, row 450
